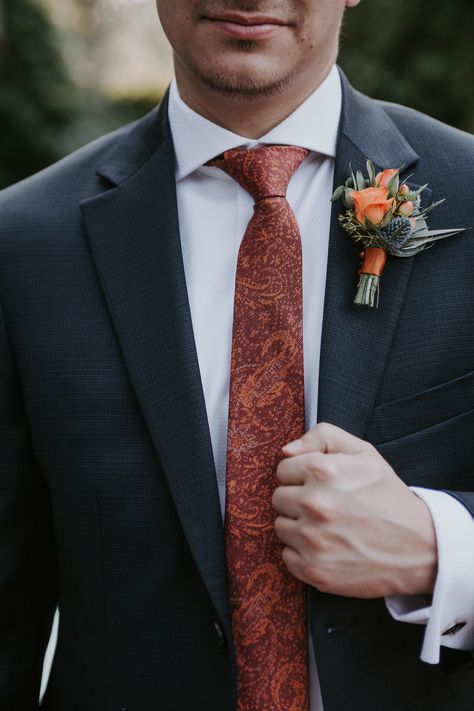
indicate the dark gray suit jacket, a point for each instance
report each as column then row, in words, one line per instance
column 108, row 497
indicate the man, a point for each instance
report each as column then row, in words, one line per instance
column 145, row 398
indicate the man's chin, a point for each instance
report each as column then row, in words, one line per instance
column 244, row 85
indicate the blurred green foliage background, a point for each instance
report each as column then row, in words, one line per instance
column 35, row 93
column 419, row 53
column 416, row 53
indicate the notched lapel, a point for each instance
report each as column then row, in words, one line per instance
column 134, row 238
column 356, row 340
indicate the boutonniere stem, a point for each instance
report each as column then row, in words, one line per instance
column 374, row 260
column 386, row 218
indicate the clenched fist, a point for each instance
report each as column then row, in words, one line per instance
column 349, row 524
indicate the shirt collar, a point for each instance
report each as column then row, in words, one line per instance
column 313, row 125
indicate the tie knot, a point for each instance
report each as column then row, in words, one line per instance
column 263, row 172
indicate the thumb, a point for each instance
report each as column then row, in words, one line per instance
column 327, row 439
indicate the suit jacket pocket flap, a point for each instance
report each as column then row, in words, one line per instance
column 421, row 410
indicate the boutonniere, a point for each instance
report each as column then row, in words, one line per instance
column 385, row 216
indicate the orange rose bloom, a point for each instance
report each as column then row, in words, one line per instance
column 382, row 179
column 373, row 204
column 376, row 213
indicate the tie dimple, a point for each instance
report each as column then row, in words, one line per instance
column 263, row 172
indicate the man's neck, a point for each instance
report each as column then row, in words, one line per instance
column 251, row 117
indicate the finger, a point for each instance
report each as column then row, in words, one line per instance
column 286, row 531
column 327, row 439
column 290, row 472
column 294, row 563
column 297, row 470
column 286, row 501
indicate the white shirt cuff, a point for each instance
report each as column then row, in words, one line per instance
column 449, row 614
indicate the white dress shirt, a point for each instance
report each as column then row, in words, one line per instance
column 213, row 213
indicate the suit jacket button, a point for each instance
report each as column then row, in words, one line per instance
column 220, row 636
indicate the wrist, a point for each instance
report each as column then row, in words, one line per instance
column 423, row 571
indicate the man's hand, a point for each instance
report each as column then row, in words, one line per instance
column 349, row 524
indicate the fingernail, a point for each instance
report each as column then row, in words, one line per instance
column 293, row 447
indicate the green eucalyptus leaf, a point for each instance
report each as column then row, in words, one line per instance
column 393, row 185
column 348, row 199
column 338, row 193
column 372, row 173
column 387, row 219
column 360, row 180
column 353, row 177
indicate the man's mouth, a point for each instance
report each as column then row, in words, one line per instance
column 246, row 25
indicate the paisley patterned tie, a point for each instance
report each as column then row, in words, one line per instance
column 266, row 410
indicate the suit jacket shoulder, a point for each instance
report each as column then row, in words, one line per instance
column 446, row 151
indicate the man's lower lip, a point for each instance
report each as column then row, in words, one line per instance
column 250, row 32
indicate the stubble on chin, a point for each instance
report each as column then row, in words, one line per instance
column 246, row 85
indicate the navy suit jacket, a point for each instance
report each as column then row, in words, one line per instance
column 108, row 497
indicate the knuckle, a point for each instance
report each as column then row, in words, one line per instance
column 327, row 510
column 310, row 504
column 310, row 572
column 324, row 428
column 314, row 464
column 320, row 506
column 308, row 536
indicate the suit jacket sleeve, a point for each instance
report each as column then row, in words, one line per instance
column 466, row 498
column 27, row 559
column 449, row 613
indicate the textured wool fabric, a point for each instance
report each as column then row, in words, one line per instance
column 266, row 410
column 213, row 213
column 108, row 494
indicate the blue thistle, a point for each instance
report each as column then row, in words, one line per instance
column 397, row 232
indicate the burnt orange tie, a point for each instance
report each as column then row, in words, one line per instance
column 266, row 410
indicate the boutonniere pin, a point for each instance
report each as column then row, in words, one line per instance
column 385, row 216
